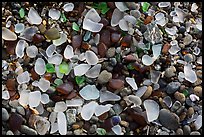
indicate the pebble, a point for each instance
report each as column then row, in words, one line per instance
column 195, row 133
column 5, row 115
column 102, row 49
column 20, row 110
column 168, row 119
column 71, row 116
column 148, row 92
column 93, row 128
column 117, row 109
column 170, row 72
column 180, row 96
column 116, row 83
column 105, row 37
column 52, row 34
column 198, row 91
column 126, row 40
column 15, row 122
column 176, row 106
column 28, row 131
column 110, row 52
column 182, row 29
column 65, row 88
column 115, row 37
column 188, row 57
column 190, row 111
column 179, row 131
column 9, row 132
column 172, row 87
column 78, row 132
column 124, row 123
column 186, row 130
column 104, row 77
column 76, row 41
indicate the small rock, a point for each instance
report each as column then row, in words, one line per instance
column 190, row 111
column 176, row 106
column 172, row 87
column 78, row 132
column 179, row 131
column 71, row 116
column 117, row 109
column 195, row 133
column 5, row 115
column 186, row 130
column 124, row 123
column 115, row 37
column 180, row 97
column 168, row 119
column 116, row 83
column 188, row 57
column 76, row 41
column 105, row 37
column 52, row 34
column 9, row 132
column 170, row 72
column 148, row 92
column 65, row 88
column 15, row 122
column 198, row 91
column 182, row 29
column 20, row 110
column 110, row 52
column 102, row 49
column 28, row 131
column 93, row 129
column 104, row 77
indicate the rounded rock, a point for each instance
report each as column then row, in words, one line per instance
column 190, row 111
column 198, row 91
column 172, row 87
column 102, row 49
column 104, row 77
column 148, row 92
column 110, row 52
column 5, row 115
column 186, row 130
column 168, row 119
column 116, row 83
column 28, row 131
column 195, row 133
column 179, row 131
column 180, row 97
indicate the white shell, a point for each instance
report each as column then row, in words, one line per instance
column 62, row 123
column 88, row 110
column 91, row 57
column 94, row 71
column 50, row 50
column 121, row 6
column 34, row 98
column 89, row 92
column 108, row 96
column 60, row 106
column 32, row 51
column 131, row 82
column 68, row 52
column 81, row 69
column 8, row 34
column 20, row 48
column 34, row 17
column 23, row 77
column 40, row 66
column 68, row 7
column 54, row 14
column 152, row 109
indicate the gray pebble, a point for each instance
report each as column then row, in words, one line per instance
column 94, row 119
column 176, row 106
column 168, row 119
column 93, row 129
column 179, row 131
column 5, row 115
column 104, row 77
column 71, row 116
column 20, row 110
column 125, row 91
column 195, row 133
column 117, row 109
column 9, row 132
column 28, row 131
column 172, row 87
column 111, row 112
column 110, row 52
column 186, row 130
column 113, row 61
column 109, row 68
column 169, row 72
column 163, row 133
column 180, row 110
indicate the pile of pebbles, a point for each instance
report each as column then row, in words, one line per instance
column 101, row 68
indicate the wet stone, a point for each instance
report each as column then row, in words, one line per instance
column 186, row 130
column 180, row 97
column 105, row 37
column 52, row 34
column 172, row 87
column 115, row 37
column 71, row 116
column 15, row 122
column 110, row 52
column 116, row 83
column 104, row 77
column 198, row 91
column 102, row 49
column 5, row 115
column 76, row 41
column 65, row 88
column 168, row 119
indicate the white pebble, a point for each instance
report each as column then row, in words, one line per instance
column 81, row 69
column 88, row 110
column 34, row 98
column 152, row 109
column 62, row 123
column 40, row 66
column 68, row 7
column 21, row 45
column 32, row 51
column 23, row 77
column 68, row 52
column 34, row 17
column 54, row 14
column 91, row 57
